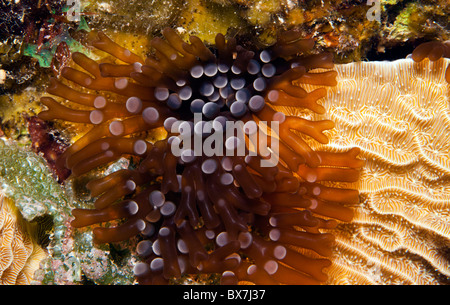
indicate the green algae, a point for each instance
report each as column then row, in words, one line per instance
column 206, row 19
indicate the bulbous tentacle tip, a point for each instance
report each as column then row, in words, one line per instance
column 206, row 213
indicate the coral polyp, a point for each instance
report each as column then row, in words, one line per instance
column 256, row 204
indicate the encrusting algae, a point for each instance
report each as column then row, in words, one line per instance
column 36, row 227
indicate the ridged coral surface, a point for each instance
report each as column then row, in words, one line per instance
column 398, row 114
column 19, row 256
column 198, row 212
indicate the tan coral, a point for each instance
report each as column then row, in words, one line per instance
column 398, row 114
column 19, row 255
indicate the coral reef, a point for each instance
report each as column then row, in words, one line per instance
column 340, row 27
column 135, row 16
column 25, row 178
column 416, row 20
column 48, row 143
column 32, row 32
column 397, row 113
column 32, row 35
column 266, row 226
column 433, row 50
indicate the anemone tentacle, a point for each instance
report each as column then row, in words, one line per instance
column 218, row 213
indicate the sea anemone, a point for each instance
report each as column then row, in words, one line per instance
column 240, row 215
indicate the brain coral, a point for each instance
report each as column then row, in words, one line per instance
column 205, row 213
